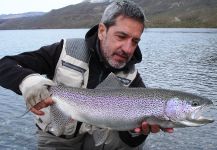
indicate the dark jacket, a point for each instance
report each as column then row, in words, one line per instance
column 14, row 69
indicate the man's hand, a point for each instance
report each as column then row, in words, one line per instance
column 146, row 129
column 44, row 103
column 34, row 89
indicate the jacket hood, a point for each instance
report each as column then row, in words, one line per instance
column 91, row 38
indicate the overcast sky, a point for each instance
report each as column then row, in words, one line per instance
column 21, row 6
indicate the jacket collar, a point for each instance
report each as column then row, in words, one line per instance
column 91, row 39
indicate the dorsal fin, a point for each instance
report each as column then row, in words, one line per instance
column 111, row 82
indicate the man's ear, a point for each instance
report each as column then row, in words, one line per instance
column 101, row 31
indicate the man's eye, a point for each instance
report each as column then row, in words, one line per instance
column 120, row 37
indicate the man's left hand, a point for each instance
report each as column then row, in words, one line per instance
column 146, row 129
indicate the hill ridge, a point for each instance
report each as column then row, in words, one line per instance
column 161, row 13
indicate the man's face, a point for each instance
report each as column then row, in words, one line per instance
column 119, row 42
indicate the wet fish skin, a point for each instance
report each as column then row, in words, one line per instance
column 125, row 108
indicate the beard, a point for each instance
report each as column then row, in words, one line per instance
column 112, row 62
column 118, row 64
column 115, row 64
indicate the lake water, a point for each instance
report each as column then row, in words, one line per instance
column 179, row 59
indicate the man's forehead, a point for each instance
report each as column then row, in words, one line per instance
column 126, row 31
column 126, row 23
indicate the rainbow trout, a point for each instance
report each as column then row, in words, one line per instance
column 114, row 107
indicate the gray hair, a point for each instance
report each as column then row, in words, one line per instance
column 124, row 8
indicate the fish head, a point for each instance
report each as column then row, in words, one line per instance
column 185, row 111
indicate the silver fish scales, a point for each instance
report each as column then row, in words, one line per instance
column 119, row 108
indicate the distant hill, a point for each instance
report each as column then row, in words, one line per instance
column 28, row 14
column 159, row 13
column 5, row 18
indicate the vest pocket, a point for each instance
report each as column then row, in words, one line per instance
column 69, row 77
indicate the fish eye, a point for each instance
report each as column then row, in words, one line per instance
column 195, row 103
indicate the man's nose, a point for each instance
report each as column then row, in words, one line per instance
column 128, row 47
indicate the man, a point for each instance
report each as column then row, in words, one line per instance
column 110, row 46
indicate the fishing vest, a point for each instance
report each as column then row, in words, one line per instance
column 72, row 70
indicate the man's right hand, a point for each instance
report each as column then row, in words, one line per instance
column 44, row 103
column 34, row 89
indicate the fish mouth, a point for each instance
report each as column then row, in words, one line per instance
column 196, row 119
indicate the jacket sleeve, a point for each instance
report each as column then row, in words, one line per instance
column 14, row 69
column 125, row 136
